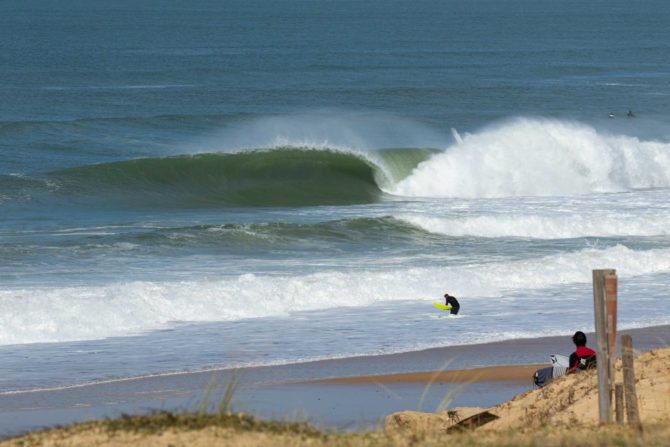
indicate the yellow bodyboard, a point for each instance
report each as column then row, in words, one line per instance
column 442, row 306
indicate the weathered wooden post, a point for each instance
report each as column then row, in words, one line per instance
column 611, row 306
column 600, row 311
column 632, row 412
column 618, row 394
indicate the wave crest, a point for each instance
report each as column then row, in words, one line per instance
column 535, row 157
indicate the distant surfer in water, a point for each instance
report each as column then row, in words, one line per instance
column 630, row 114
column 453, row 302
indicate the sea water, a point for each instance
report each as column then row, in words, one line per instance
column 194, row 185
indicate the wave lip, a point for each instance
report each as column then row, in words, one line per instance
column 540, row 157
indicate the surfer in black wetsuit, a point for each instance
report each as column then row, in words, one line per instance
column 630, row 114
column 453, row 302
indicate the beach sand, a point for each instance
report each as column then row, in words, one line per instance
column 346, row 394
column 519, row 373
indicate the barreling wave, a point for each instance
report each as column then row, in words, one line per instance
column 540, row 157
column 285, row 176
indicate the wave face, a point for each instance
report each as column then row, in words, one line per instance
column 284, row 176
column 534, row 157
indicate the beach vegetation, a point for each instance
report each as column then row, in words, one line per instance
column 192, row 429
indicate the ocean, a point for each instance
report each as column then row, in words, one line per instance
column 219, row 184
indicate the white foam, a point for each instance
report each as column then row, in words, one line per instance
column 56, row 314
column 562, row 226
column 539, row 157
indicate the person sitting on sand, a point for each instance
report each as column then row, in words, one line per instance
column 453, row 302
column 583, row 357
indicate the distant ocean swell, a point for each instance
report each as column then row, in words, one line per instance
column 232, row 237
column 404, row 231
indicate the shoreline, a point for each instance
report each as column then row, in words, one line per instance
column 502, row 373
column 529, row 351
column 479, row 375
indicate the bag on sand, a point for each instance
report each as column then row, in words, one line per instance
column 559, row 364
column 543, row 376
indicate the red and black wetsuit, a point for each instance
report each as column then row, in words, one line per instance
column 582, row 352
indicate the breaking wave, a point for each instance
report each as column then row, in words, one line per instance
column 285, row 176
column 55, row 314
column 540, row 157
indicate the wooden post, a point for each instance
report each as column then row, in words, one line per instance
column 618, row 394
column 611, row 306
column 599, row 307
column 611, row 296
column 632, row 412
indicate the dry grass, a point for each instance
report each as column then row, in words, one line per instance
column 169, row 429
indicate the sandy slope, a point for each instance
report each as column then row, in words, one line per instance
column 574, row 398
column 568, row 401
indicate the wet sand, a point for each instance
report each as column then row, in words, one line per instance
column 518, row 373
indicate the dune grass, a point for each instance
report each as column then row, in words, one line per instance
column 225, row 427
column 193, row 429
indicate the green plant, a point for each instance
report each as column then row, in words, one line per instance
column 204, row 404
column 433, row 379
column 225, row 406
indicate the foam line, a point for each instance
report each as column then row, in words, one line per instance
column 57, row 314
column 543, row 226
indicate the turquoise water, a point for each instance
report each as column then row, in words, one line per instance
column 303, row 178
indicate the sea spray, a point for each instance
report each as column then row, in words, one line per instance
column 540, row 157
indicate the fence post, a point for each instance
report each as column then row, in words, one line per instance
column 632, row 412
column 618, row 394
column 599, row 307
column 611, row 306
